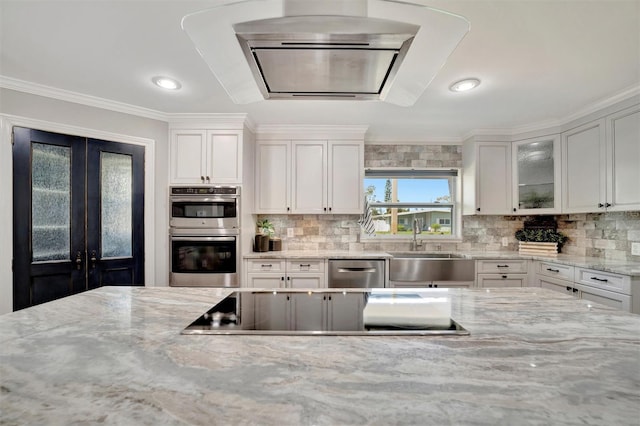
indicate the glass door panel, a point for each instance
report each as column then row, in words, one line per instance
column 116, row 200
column 536, row 171
column 50, row 202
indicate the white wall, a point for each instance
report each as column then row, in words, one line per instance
column 54, row 115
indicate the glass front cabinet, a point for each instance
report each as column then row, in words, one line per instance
column 536, row 175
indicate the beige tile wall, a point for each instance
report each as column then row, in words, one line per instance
column 607, row 235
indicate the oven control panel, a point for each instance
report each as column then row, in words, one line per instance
column 204, row 190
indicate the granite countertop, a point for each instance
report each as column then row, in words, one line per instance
column 597, row 263
column 115, row 355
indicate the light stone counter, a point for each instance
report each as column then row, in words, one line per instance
column 606, row 265
column 321, row 254
column 115, row 356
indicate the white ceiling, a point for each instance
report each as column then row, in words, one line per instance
column 539, row 62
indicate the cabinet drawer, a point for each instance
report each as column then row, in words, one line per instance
column 502, row 280
column 501, row 266
column 555, row 270
column 265, row 265
column 604, row 280
column 305, row 265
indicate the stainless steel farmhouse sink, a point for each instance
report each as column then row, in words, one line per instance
column 424, row 269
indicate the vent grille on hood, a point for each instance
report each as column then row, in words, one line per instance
column 311, row 64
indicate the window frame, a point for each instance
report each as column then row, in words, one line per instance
column 455, row 174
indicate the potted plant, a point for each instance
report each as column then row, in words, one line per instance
column 263, row 234
column 540, row 241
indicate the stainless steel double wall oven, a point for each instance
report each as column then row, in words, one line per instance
column 204, row 235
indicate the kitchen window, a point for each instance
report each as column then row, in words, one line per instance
column 400, row 199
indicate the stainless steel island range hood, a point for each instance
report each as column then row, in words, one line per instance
column 324, row 57
column 384, row 50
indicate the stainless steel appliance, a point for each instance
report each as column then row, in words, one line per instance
column 204, row 257
column 356, row 273
column 205, row 207
column 204, row 236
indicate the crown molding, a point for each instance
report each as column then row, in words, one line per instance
column 310, row 131
column 549, row 126
column 79, row 98
column 558, row 125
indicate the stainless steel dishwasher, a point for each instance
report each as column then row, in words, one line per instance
column 356, row 273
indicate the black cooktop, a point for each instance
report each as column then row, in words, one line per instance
column 331, row 312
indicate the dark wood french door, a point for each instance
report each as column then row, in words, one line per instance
column 78, row 215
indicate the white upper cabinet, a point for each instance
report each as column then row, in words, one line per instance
column 584, row 168
column 487, row 178
column 273, row 177
column 623, row 154
column 536, row 175
column 600, row 164
column 345, row 188
column 310, row 176
column 205, row 156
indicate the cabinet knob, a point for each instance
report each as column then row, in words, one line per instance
column 325, row 209
column 478, row 209
column 208, row 180
column 202, row 179
column 514, row 210
column 569, row 289
column 600, row 205
column 504, row 277
column 329, row 208
column 575, row 290
column 288, row 208
column 608, row 204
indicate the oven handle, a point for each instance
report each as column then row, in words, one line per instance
column 177, row 238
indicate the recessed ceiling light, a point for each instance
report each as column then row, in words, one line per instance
column 464, row 85
column 166, row 83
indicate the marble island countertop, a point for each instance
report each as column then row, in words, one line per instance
column 601, row 264
column 115, row 356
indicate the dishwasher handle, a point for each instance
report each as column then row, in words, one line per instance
column 354, row 269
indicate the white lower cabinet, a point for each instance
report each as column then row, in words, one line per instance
column 609, row 289
column 502, row 273
column 281, row 273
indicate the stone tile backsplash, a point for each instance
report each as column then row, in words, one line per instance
column 607, row 235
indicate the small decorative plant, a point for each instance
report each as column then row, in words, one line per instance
column 265, row 227
column 541, row 236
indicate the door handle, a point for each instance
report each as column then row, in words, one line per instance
column 78, row 261
column 93, row 259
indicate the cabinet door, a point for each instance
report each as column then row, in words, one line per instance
column 272, row 183
column 346, row 176
column 558, row 285
column 344, row 311
column 305, row 280
column 493, row 178
column 536, row 176
column 584, row 168
column 265, row 280
column 188, row 156
column 224, row 157
column 308, row 311
column 623, row 154
column 271, row 311
column 497, row 280
column 604, row 297
column 309, row 177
